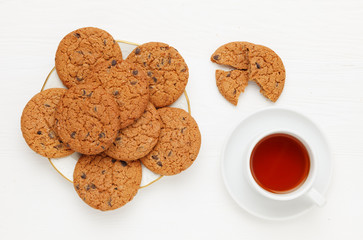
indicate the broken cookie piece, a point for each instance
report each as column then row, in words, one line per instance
column 262, row 65
column 231, row 84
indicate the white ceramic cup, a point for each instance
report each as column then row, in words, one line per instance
column 306, row 189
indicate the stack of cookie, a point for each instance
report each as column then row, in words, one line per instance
column 250, row 62
column 115, row 114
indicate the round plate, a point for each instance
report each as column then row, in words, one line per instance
column 65, row 166
column 234, row 160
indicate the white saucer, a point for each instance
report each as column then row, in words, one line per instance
column 234, row 157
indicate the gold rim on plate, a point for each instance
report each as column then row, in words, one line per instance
column 49, row 159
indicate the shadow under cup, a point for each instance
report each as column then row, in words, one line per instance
column 280, row 163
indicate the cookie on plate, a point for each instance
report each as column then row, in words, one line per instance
column 264, row 66
column 87, row 118
column 138, row 139
column 166, row 70
column 178, row 145
column 37, row 123
column 129, row 86
column 231, row 83
column 81, row 50
column 105, row 183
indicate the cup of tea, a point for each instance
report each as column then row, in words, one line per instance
column 281, row 166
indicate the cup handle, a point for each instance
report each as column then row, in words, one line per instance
column 316, row 197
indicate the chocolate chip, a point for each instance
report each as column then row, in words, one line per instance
column 183, row 118
column 83, row 176
column 80, row 52
column 47, row 105
column 95, row 109
column 73, row 134
column 159, row 163
column 133, row 82
column 103, row 147
column 258, row 66
column 170, row 152
column 77, row 186
column 93, row 186
column 149, row 56
column 229, row 74
column 114, row 62
column 101, row 135
column 162, row 61
column 149, row 73
column 87, row 187
column 77, row 35
column 39, row 132
column 135, row 72
column 79, row 79
column 137, row 51
column 103, row 171
column 114, row 144
column 59, row 146
column 51, row 134
column 144, row 63
column 123, row 163
column 116, row 93
column 115, row 188
column 155, row 157
column 169, row 60
column 183, row 70
column 216, row 57
column 89, row 95
column 109, row 202
column 183, row 129
column 118, row 139
column 83, row 92
column 60, row 141
column 87, row 135
column 104, row 42
column 155, row 79
column 157, row 65
column 113, row 160
column 234, row 92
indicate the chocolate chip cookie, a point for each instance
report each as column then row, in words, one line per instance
column 138, row 139
column 87, row 118
column 129, row 86
column 166, row 70
column 81, row 50
column 231, row 83
column 263, row 65
column 267, row 70
column 105, row 183
column 178, row 145
column 37, row 123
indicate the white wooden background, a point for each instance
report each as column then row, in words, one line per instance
column 321, row 44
